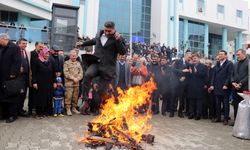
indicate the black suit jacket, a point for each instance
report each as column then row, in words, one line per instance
column 240, row 74
column 10, row 64
column 197, row 81
column 222, row 77
column 178, row 67
column 107, row 53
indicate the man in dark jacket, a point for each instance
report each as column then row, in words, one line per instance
column 123, row 73
column 155, row 72
column 182, row 72
column 196, row 88
column 108, row 44
column 9, row 69
column 221, row 84
column 33, row 60
column 58, row 61
column 239, row 79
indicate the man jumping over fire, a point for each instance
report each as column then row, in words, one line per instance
column 108, row 44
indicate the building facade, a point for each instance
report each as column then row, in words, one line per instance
column 205, row 26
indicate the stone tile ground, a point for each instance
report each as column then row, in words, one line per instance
column 63, row 134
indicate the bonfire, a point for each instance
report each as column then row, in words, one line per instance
column 123, row 124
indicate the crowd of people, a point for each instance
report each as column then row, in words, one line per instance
column 56, row 83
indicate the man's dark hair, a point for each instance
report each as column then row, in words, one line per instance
column 37, row 42
column 109, row 24
column 225, row 52
column 20, row 40
column 242, row 51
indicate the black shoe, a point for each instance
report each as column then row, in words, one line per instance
column 164, row 114
column 197, row 118
column 171, row 115
column 23, row 114
column 11, row 119
column 190, row 117
column 181, row 115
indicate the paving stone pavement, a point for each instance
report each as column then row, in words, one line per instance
column 63, row 133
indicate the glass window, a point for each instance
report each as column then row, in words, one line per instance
column 220, row 9
column 201, row 6
column 239, row 13
column 180, row 1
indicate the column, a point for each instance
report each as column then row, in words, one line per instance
column 176, row 18
column 75, row 2
column 186, row 35
column 85, row 17
column 206, row 40
column 169, row 23
column 224, row 39
column 239, row 40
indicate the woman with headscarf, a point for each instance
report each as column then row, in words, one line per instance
column 43, row 80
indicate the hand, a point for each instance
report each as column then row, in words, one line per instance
column 117, row 36
column 182, row 79
column 210, row 89
column 75, row 80
column 224, row 87
column 79, row 43
column 234, row 84
column 35, row 86
column 12, row 76
column 54, row 85
column 185, row 70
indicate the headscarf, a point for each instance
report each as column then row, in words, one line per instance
column 42, row 53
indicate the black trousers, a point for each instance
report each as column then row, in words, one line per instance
column 155, row 101
column 9, row 109
column 22, row 98
column 236, row 100
column 211, row 105
column 225, row 100
column 31, row 101
column 195, row 106
column 183, row 103
column 103, row 80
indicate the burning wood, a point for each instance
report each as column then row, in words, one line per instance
column 120, row 124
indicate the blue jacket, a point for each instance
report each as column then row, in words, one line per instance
column 59, row 92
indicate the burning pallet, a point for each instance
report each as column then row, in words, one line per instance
column 121, row 125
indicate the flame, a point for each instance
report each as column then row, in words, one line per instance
column 125, row 116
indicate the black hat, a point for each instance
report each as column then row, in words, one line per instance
column 55, row 48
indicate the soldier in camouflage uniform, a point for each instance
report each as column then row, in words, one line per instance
column 73, row 74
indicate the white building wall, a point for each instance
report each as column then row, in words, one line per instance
column 210, row 15
column 92, row 18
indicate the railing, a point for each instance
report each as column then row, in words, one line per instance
column 29, row 33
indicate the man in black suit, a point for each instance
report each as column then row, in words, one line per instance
column 108, row 44
column 221, row 84
column 9, row 69
column 239, row 79
column 196, row 88
column 33, row 60
column 182, row 71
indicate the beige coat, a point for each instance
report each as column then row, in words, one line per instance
column 72, row 70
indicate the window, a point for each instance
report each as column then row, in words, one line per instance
column 8, row 16
column 201, row 6
column 220, row 9
column 239, row 16
column 220, row 12
column 180, row 1
column 239, row 13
